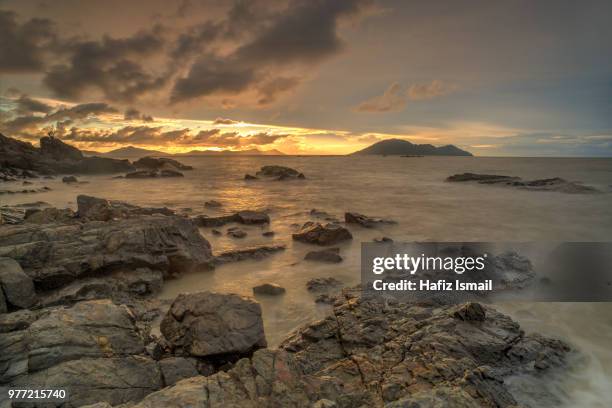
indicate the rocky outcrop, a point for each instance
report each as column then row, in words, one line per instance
column 208, row 324
column 236, row 232
column 328, row 255
column 323, row 284
column 140, row 174
column 93, row 349
column 251, row 253
column 277, row 173
column 212, row 204
column 160, row 163
column 246, row 217
column 69, row 179
column 318, row 234
column 271, row 289
column 375, row 354
column 555, row 184
column 364, row 220
column 53, row 157
column 54, row 255
column 100, row 209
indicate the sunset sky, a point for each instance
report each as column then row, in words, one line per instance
column 515, row 78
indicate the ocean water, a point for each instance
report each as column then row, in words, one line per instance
column 411, row 191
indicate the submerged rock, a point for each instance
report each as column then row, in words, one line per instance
column 207, row 324
column 249, row 177
column 328, row 234
column 279, row 173
column 242, row 217
column 364, row 220
column 139, row 174
column 329, row 255
column 242, row 254
column 69, row 179
column 555, row 184
column 271, row 289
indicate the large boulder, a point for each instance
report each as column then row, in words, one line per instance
column 93, row 349
column 160, row 163
column 279, row 173
column 208, row 324
column 16, row 285
column 93, row 208
column 54, row 255
column 319, row 234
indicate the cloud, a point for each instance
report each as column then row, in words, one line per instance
column 431, row 90
column 225, row 121
column 23, row 47
column 135, row 114
column 27, row 105
column 392, row 100
column 270, row 90
column 112, row 66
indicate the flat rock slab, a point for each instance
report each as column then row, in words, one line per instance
column 319, row 234
column 364, row 220
column 555, row 184
column 207, row 324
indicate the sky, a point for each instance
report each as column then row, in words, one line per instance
column 497, row 78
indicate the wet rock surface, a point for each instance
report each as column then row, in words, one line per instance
column 364, row 220
column 319, row 234
column 160, row 163
column 277, row 173
column 207, row 324
column 271, row 289
column 246, row 217
column 250, row 253
column 329, row 255
column 555, row 184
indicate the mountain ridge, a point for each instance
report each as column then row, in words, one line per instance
column 398, row 147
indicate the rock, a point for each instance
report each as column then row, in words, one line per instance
column 267, row 234
column 174, row 369
column 330, row 255
column 93, row 208
column 322, row 284
column 138, row 174
column 470, row 312
column 69, row 179
column 207, row 324
column 58, row 150
column 3, row 305
column 54, row 255
column 323, row 215
column 170, row 173
column 254, row 253
column 326, row 298
column 49, row 215
column 555, row 184
column 279, row 173
column 364, row 220
column 93, row 350
column 383, row 239
column 328, row 234
column 241, row 217
column 215, row 232
column 236, row 232
column 249, row 177
column 11, row 215
column 17, row 286
column 160, row 163
column 212, row 204
column 271, row 289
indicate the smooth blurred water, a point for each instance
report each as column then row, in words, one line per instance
column 411, row 191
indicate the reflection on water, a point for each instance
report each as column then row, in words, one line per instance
column 411, row 191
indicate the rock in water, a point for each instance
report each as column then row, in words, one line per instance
column 330, row 255
column 556, row 184
column 69, row 179
column 236, row 232
column 242, row 217
column 16, row 285
column 323, row 284
column 160, row 163
column 279, row 173
column 328, row 234
column 170, row 173
column 208, row 324
column 212, row 204
column 271, row 289
column 364, row 220
column 242, row 254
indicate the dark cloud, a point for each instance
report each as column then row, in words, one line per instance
column 27, row 105
column 23, row 46
column 225, row 121
column 270, row 90
column 111, row 65
column 135, row 114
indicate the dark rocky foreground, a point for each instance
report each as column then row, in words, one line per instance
column 77, row 312
column 555, row 184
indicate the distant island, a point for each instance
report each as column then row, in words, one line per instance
column 398, row 147
column 137, row 152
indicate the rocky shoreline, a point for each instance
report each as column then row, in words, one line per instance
column 78, row 311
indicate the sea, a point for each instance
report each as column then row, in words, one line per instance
column 411, row 191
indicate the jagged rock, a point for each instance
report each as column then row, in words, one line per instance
column 249, row 177
column 208, row 324
column 54, row 255
column 11, row 215
column 92, row 349
column 255, row 253
column 100, row 209
column 49, row 215
column 236, row 232
column 267, row 234
column 160, row 163
column 364, row 220
column 322, row 284
column 17, row 286
column 473, row 312
column 69, row 179
column 174, row 369
column 556, row 184
column 328, row 234
column 241, row 217
column 330, row 255
column 279, row 173
column 212, row 204
column 271, row 289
